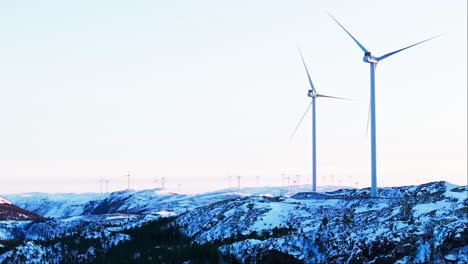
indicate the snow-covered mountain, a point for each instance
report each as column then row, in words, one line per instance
column 416, row 224
column 411, row 224
column 133, row 202
column 4, row 201
column 9, row 211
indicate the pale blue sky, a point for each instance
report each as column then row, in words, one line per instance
column 199, row 90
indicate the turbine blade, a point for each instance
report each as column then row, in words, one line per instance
column 334, row 97
column 300, row 121
column 396, row 51
column 355, row 40
column 308, row 75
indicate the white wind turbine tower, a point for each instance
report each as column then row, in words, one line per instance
column 238, row 182
column 101, row 181
column 162, row 180
column 373, row 61
column 298, row 178
column 312, row 93
column 285, row 176
column 128, row 180
column 107, row 185
column 155, row 182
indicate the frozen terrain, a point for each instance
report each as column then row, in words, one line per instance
column 410, row 224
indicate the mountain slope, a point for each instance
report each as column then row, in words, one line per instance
column 410, row 224
column 9, row 211
column 129, row 201
column 418, row 224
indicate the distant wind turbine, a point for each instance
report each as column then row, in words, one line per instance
column 238, row 182
column 373, row 61
column 101, row 181
column 298, row 178
column 313, row 94
column 156, row 182
column 162, row 180
column 128, row 180
column 107, row 185
column 284, row 176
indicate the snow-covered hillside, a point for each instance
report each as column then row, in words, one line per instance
column 416, row 224
column 9, row 211
column 411, row 224
column 4, row 201
column 132, row 202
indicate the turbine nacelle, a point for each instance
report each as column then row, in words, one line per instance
column 312, row 93
column 369, row 58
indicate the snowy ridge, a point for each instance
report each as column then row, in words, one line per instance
column 4, row 201
column 132, row 202
column 409, row 224
column 9, row 211
column 421, row 224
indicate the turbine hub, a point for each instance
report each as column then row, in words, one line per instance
column 311, row 93
column 369, row 58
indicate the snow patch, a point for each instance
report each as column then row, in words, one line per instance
column 4, row 201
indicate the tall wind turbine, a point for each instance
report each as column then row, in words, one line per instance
column 373, row 61
column 313, row 94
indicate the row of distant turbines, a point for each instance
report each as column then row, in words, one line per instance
column 373, row 61
column 291, row 182
column 161, row 181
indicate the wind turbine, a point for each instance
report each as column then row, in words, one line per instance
column 163, row 181
column 102, row 180
column 156, row 182
column 313, row 94
column 285, row 176
column 298, row 178
column 373, row 61
column 128, row 180
column 238, row 182
column 107, row 185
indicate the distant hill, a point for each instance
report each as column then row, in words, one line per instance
column 135, row 202
column 9, row 211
